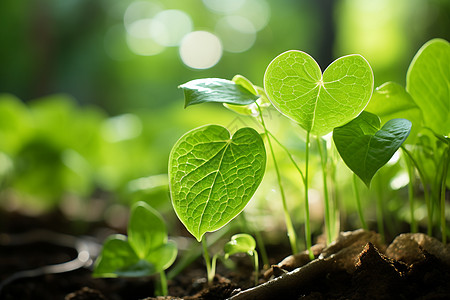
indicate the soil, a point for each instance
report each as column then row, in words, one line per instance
column 356, row 266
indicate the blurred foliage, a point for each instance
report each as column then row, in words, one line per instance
column 80, row 47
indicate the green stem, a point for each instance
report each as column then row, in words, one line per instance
column 259, row 239
column 443, row 189
column 255, row 260
column 323, row 160
column 262, row 248
column 189, row 256
column 213, row 265
column 425, row 190
column 335, row 193
column 163, row 283
column 209, row 272
column 379, row 212
column 307, row 224
column 290, row 228
column 413, row 225
column 288, row 154
column 358, row 202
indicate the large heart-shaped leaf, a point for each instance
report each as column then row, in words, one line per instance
column 365, row 147
column 295, row 86
column 428, row 82
column 216, row 90
column 390, row 101
column 213, row 176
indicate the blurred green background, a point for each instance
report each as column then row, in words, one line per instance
column 90, row 104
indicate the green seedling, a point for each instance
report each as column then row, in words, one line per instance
column 243, row 243
column 212, row 177
column 235, row 95
column 428, row 81
column 239, row 243
column 425, row 102
column 389, row 101
column 146, row 251
column 318, row 102
column 365, row 148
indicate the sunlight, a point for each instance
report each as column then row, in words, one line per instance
column 200, row 50
column 236, row 33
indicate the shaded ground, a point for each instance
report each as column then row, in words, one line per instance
column 356, row 266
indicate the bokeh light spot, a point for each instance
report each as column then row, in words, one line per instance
column 221, row 6
column 257, row 11
column 236, row 33
column 140, row 10
column 140, row 38
column 176, row 24
column 122, row 127
column 200, row 50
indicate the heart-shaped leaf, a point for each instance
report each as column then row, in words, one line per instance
column 216, row 90
column 390, row 101
column 365, row 147
column 428, row 82
column 213, row 176
column 295, row 86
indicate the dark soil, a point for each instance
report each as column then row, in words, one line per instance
column 356, row 266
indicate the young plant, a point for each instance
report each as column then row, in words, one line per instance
column 212, row 177
column 235, row 95
column 428, row 81
column 425, row 103
column 146, row 250
column 243, row 243
column 365, row 148
column 318, row 102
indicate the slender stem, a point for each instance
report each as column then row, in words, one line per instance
column 410, row 167
column 288, row 154
column 335, row 195
column 255, row 260
column 307, row 224
column 443, row 189
column 323, row 159
column 425, row 190
column 290, row 228
column 213, row 264
column 379, row 212
column 209, row 272
column 259, row 239
column 358, row 202
column 163, row 282
column 262, row 248
column 194, row 252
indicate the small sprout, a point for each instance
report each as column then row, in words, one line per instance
column 146, row 250
column 243, row 243
column 240, row 243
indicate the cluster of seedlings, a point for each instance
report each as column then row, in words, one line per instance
column 213, row 174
